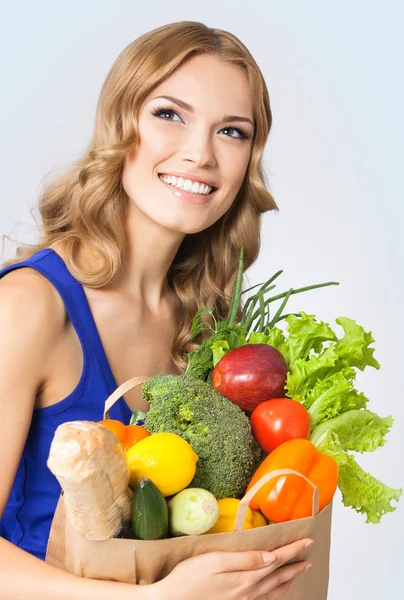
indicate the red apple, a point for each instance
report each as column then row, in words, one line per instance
column 251, row 374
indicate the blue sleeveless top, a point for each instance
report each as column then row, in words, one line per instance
column 28, row 515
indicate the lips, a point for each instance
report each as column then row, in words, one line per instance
column 191, row 178
column 188, row 197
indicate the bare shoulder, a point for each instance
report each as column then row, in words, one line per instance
column 31, row 322
column 27, row 296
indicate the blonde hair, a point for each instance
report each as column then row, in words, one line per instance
column 86, row 206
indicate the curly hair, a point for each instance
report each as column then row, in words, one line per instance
column 86, row 206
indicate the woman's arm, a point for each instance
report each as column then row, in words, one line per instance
column 32, row 317
column 23, row 577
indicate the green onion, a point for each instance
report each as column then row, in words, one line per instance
column 235, row 299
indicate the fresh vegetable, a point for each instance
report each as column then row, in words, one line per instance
column 149, row 512
column 289, row 497
column 227, row 333
column 227, row 515
column 165, row 458
column 134, row 433
column 118, row 428
column 279, row 420
column 322, row 372
column 128, row 435
column 258, row 519
column 250, row 374
column 192, row 512
column 361, row 491
column 90, row 465
column 218, row 431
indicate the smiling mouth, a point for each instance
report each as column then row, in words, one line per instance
column 189, row 197
column 187, row 185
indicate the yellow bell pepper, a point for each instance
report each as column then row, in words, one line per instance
column 258, row 519
column 227, row 515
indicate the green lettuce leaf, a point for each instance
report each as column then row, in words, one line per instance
column 323, row 385
column 328, row 443
column 357, row 430
column 332, row 396
column 276, row 338
column 306, row 334
column 360, row 490
column 364, row 493
column 317, row 363
column 219, row 349
column 354, row 346
column 258, row 338
column 303, row 374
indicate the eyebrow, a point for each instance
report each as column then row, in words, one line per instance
column 189, row 108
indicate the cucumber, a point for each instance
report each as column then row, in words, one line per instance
column 149, row 512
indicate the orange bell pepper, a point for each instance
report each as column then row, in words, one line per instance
column 127, row 435
column 288, row 497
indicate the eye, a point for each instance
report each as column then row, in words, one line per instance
column 159, row 112
column 167, row 114
column 240, row 133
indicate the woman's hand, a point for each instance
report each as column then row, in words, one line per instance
column 248, row 575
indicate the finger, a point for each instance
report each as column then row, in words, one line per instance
column 286, row 553
column 225, row 562
column 255, row 559
column 259, row 577
column 279, row 592
column 279, row 578
column 277, row 558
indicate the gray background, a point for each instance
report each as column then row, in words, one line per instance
column 335, row 77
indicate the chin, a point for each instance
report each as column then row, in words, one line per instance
column 175, row 220
column 187, row 228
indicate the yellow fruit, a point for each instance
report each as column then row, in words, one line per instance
column 228, row 508
column 165, row 458
column 258, row 519
column 227, row 515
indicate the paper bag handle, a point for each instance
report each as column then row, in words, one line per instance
column 120, row 391
column 243, row 506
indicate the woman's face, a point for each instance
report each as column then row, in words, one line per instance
column 203, row 133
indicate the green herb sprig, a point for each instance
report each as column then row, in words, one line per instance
column 256, row 317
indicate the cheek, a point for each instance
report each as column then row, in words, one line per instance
column 233, row 163
column 240, row 165
column 155, row 141
column 236, row 173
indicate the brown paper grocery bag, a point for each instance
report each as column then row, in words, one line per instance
column 145, row 562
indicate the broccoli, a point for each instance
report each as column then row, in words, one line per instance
column 218, row 431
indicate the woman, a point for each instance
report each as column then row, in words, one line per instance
column 140, row 233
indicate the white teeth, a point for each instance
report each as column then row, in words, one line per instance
column 187, row 184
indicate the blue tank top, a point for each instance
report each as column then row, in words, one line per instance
column 28, row 515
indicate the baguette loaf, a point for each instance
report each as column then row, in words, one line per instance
column 90, row 465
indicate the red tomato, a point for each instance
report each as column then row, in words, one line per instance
column 279, row 420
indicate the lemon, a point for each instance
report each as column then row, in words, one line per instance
column 165, row 458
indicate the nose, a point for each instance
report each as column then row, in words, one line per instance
column 199, row 150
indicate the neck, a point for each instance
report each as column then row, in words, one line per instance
column 151, row 249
